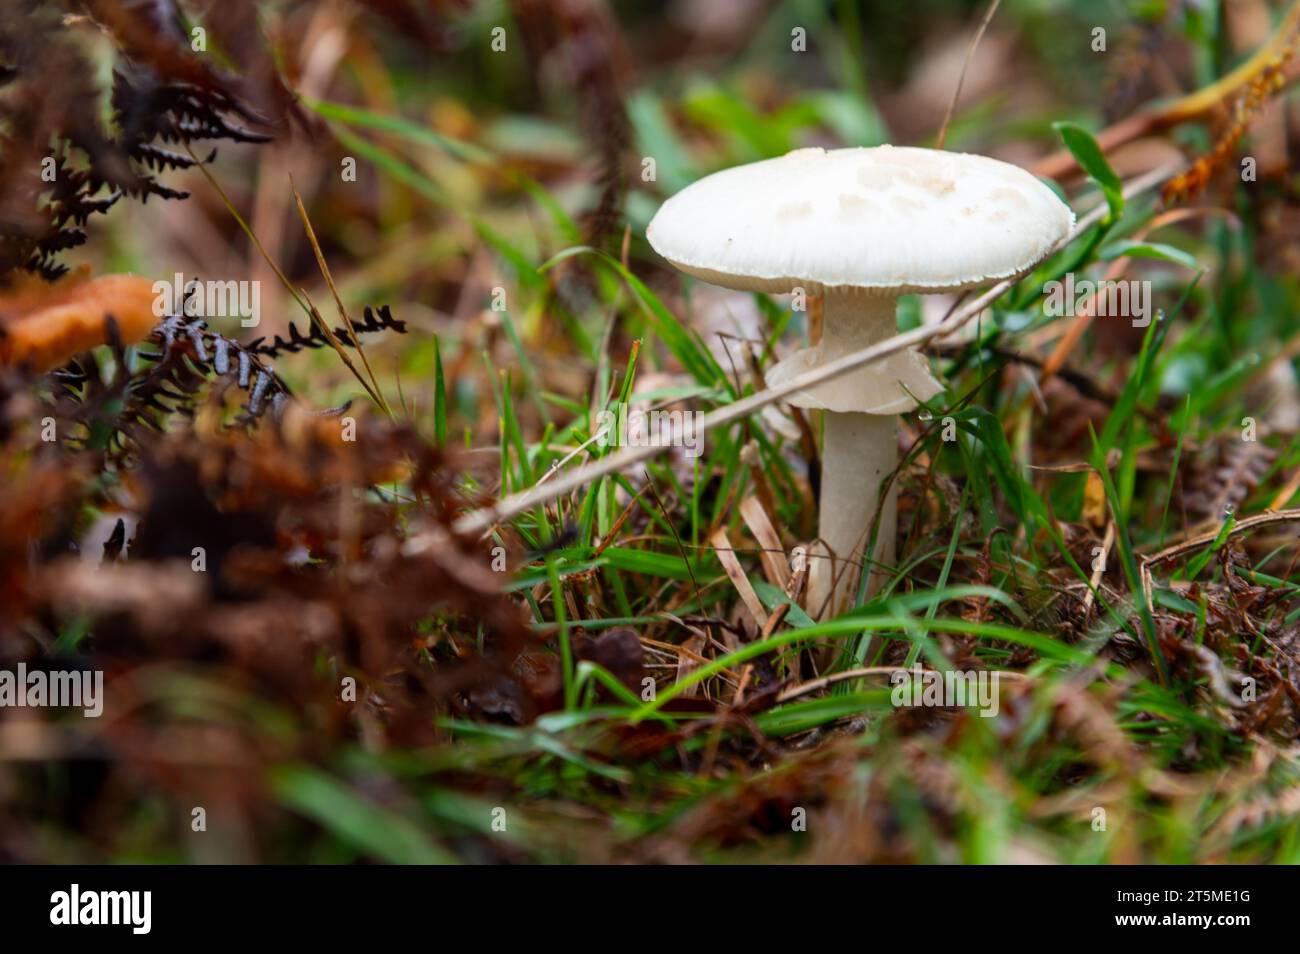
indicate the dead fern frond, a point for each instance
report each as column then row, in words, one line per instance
column 59, row 165
column 1220, row 483
column 373, row 320
column 1246, row 107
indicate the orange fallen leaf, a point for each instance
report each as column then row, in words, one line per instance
column 43, row 325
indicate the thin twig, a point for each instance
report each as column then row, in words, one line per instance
column 1099, row 569
column 812, row 685
column 248, row 230
column 1241, row 526
column 1205, row 539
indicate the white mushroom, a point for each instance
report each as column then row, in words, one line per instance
column 859, row 227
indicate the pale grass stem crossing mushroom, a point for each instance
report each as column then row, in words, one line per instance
column 860, row 227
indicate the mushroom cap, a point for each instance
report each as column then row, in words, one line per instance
column 885, row 219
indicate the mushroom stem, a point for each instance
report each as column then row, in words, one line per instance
column 859, row 451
